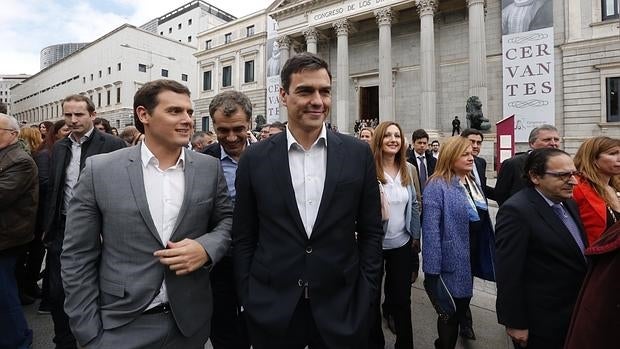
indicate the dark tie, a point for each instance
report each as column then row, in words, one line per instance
column 570, row 224
column 423, row 173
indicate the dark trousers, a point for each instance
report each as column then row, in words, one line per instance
column 397, row 289
column 28, row 266
column 448, row 328
column 228, row 328
column 13, row 325
column 301, row 332
column 62, row 332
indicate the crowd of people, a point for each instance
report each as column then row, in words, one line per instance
column 164, row 237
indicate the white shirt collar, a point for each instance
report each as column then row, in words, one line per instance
column 83, row 138
column 290, row 139
column 148, row 157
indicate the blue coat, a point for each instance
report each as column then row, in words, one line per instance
column 445, row 238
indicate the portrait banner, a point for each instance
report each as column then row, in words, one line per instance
column 272, row 71
column 528, row 64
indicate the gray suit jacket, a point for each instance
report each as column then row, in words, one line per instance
column 109, row 272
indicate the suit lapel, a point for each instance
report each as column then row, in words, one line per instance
column 335, row 159
column 278, row 156
column 136, row 181
column 188, row 173
column 556, row 224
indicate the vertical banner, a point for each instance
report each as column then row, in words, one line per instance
column 528, row 64
column 273, row 71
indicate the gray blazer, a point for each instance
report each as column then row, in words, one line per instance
column 109, row 272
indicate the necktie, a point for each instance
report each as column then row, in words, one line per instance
column 570, row 225
column 423, row 173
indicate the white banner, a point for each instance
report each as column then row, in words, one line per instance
column 273, row 72
column 528, row 64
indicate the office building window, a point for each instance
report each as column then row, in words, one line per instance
column 109, row 70
column 206, row 80
column 227, row 38
column 610, row 9
column 207, row 44
column 249, row 31
column 142, row 67
column 189, row 21
column 205, row 123
column 613, row 102
column 100, row 73
column 180, row 26
column 189, row 38
column 184, row 77
column 170, row 30
column 161, row 33
column 92, row 77
column 118, row 66
column 249, row 71
column 83, row 79
column 118, row 95
column 99, row 100
column 227, row 76
column 108, row 92
column 164, row 73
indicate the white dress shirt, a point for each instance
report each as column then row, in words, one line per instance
column 395, row 235
column 72, row 172
column 165, row 190
column 308, row 168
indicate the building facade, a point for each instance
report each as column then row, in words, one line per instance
column 54, row 53
column 417, row 61
column 184, row 23
column 109, row 70
column 232, row 57
column 6, row 83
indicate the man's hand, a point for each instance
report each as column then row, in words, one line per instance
column 415, row 246
column 184, row 256
column 518, row 336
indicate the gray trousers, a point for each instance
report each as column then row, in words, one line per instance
column 149, row 331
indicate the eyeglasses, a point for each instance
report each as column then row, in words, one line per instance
column 565, row 176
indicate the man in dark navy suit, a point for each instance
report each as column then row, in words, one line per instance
column 307, row 228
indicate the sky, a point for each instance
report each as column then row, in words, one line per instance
column 27, row 26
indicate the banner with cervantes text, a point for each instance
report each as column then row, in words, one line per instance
column 528, row 64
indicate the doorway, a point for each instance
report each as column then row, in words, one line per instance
column 369, row 103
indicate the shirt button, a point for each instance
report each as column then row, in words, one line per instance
column 309, row 249
column 300, row 283
column 309, row 202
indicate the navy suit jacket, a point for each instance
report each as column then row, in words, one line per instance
column 539, row 267
column 430, row 164
column 340, row 261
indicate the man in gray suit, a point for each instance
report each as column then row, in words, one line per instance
column 143, row 230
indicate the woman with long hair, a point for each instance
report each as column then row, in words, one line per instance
column 61, row 130
column 44, row 128
column 457, row 235
column 401, row 226
column 598, row 189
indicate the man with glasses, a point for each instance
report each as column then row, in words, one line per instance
column 540, row 262
column 19, row 196
column 510, row 175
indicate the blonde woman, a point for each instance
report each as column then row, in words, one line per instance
column 366, row 134
column 457, row 235
column 401, row 244
column 598, row 188
column 31, row 137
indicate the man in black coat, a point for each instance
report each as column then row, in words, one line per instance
column 423, row 161
column 68, row 159
column 307, row 228
column 540, row 263
column 510, row 176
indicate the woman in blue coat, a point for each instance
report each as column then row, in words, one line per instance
column 401, row 224
column 457, row 237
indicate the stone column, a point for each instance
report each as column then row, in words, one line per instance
column 386, row 95
column 477, row 51
column 428, row 117
column 342, row 75
column 312, row 38
column 285, row 43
